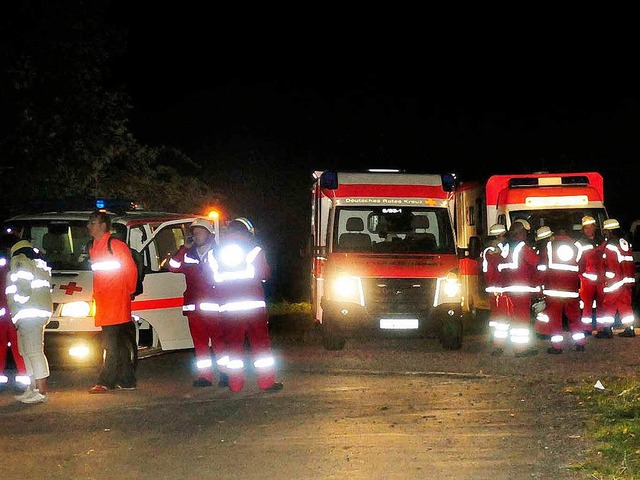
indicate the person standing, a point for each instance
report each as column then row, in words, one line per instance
column 28, row 290
column 519, row 277
column 591, row 279
column 499, row 310
column 8, row 333
column 114, row 281
column 560, row 278
column 619, row 277
column 239, row 269
column 199, row 305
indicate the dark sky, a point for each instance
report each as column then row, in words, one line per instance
column 396, row 89
column 385, row 89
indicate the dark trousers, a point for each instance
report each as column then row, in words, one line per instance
column 120, row 355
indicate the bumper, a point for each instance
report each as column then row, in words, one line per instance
column 350, row 319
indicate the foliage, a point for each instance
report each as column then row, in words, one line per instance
column 288, row 308
column 63, row 129
column 614, row 426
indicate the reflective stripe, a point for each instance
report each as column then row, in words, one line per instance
column 31, row 313
column 242, row 306
column 206, row 363
column 174, row 263
column 264, row 362
column 107, row 266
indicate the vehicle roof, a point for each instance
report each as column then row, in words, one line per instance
column 123, row 217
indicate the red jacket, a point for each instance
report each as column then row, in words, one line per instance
column 239, row 287
column 199, row 284
column 114, row 280
column 519, row 269
column 559, row 267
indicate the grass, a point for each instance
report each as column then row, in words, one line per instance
column 614, row 428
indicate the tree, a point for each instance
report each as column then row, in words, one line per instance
column 63, row 129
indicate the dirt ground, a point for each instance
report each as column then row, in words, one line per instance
column 379, row 409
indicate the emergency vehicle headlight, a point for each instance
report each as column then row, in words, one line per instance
column 76, row 309
column 348, row 288
column 448, row 290
column 79, row 351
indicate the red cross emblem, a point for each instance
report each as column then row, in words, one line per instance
column 70, row 288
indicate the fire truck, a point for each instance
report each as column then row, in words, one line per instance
column 557, row 200
column 71, row 337
column 384, row 256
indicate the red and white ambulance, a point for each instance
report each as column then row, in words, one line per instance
column 71, row 338
column 384, row 256
column 556, row 200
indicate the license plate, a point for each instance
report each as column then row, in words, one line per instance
column 399, row 323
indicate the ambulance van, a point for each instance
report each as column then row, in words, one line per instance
column 71, row 337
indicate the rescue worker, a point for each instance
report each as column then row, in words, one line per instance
column 239, row 269
column 199, row 304
column 8, row 333
column 560, row 278
column 498, row 307
column 619, row 277
column 519, row 277
column 114, row 281
column 591, row 271
column 28, row 293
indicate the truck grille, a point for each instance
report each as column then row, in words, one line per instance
column 398, row 296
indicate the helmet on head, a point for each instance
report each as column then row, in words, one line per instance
column 19, row 245
column 587, row 220
column 525, row 224
column 497, row 229
column 543, row 232
column 610, row 224
column 241, row 224
column 201, row 222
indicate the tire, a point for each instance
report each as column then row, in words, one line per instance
column 451, row 334
column 332, row 340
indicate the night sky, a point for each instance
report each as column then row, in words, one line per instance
column 353, row 91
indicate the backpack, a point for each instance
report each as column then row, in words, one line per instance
column 138, row 259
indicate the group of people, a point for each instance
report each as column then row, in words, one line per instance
column 554, row 284
column 224, row 302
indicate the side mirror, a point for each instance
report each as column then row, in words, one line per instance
column 475, row 246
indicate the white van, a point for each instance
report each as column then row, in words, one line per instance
column 71, row 338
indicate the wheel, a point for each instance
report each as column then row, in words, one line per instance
column 332, row 340
column 451, row 334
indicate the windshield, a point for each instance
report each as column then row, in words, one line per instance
column 62, row 242
column 569, row 220
column 393, row 229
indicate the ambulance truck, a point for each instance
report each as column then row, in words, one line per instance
column 384, row 256
column 71, row 337
column 557, row 200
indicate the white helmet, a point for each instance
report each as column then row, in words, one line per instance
column 201, row 222
column 610, row 224
column 241, row 224
column 543, row 232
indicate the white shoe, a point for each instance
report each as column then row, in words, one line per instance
column 35, row 397
column 24, row 394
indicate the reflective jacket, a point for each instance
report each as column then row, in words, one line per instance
column 199, row 283
column 559, row 267
column 490, row 259
column 114, row 280
column 619, row 269
column 28, row 285
column 519, row 269
column 590, row 260
column 239, row 270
